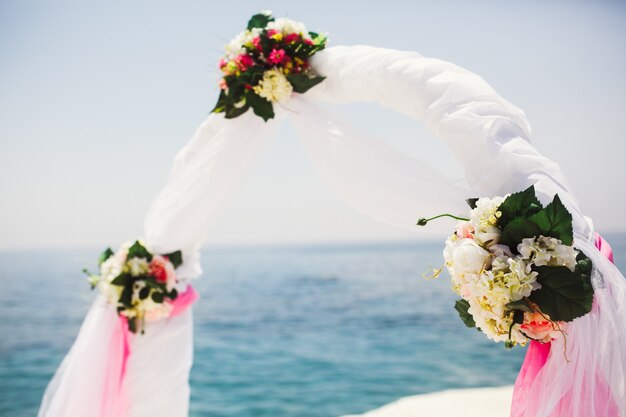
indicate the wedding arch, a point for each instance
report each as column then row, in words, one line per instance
column 113, row 370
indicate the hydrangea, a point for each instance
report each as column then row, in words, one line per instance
column 274, row 86
column 548, row 251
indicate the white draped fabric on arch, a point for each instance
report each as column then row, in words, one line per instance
column 489, row 136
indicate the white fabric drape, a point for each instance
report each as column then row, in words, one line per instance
column 489, row 136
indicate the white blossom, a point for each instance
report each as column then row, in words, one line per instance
column 274, row 86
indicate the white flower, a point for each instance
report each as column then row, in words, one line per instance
column 548, row 251
column 236, row 46
column 274, row 86
column 288, row 26
column 485, row 213
column 156, row 311
column 137, row 266
column 469, row 257
column 111, row 268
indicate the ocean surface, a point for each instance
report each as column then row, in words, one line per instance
column 279, row 331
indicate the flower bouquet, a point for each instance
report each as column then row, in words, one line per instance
column 139, row 283
column 514, row 266
column 265, row 64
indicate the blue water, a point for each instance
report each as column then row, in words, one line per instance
column 309, row 331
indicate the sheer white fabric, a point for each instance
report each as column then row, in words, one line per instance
column 489, row 136
column 157, row 374
column 587, row 368
column 77, row 386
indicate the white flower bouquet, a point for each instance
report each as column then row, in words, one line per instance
column 139, row 283
column 514, row 266
column 266, row 64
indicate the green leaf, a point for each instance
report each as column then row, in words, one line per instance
column 302, row 83
column 157, row 297
column 220, row 106
column 121, row 279
column 518, row 318
column 137, row 250
column 564, row 295
column 232, row 111
column 173, row 294
column 471, row 202
column 126, row 298
column 584, row 265
column 105, row 255
column 260, row 106
column 132, row 324
column 144, row 293
column 522, row 305
column 462, row 306
column 151, row 282
column 259, row 21
column 555, row 221
column 176, row 258
column 516, row 230
column 520, row 204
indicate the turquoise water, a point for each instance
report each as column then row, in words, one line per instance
column 308, row 331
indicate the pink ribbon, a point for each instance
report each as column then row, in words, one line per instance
column 114, row 398
column 536, row 357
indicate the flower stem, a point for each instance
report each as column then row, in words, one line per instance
column 423, row 221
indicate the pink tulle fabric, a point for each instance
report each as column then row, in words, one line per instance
column 114, row 397
column 594, row 396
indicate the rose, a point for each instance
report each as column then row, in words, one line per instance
column 244, row 61
column 465, row 230
column 539, row 327
column 469, row 258
column 163, row 271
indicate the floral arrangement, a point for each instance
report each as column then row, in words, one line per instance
column 139, row 283
column 514, row 266
column 265, row 64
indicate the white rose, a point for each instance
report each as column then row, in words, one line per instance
column 488, row 235
column 469, row 257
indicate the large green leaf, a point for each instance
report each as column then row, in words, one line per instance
column 472, row 202
column 302, row 83
column 137, row 250
column 157, row 297
column 564, row 295
column 144, row 293
column 121, row 280
column 126, row 298
column 520, row 204
column 516, row 230
column 232, row 111
column 176, row 258
column 462, row 306
column 259, row 21
column 555, row 221
column 104, row 256
column 260, row 106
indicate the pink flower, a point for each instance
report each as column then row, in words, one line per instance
column 223, row 84
column 222, row 63
column 163, row 271
column 244, row 61
column 465, row 230
column 537, row 327
column 291, row 38
column 276, row 56
column 271, row 33
column 257, row 43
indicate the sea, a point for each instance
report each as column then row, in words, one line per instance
column 319, row 330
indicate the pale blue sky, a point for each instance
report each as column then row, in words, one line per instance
column 96, row 98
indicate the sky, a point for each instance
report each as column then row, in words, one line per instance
column 97, row 97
